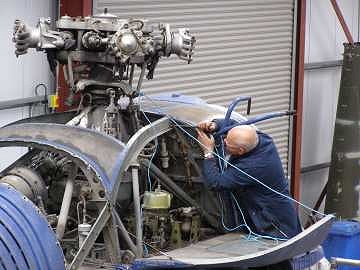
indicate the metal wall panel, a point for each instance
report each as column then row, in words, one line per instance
column 243, row 47
column 19, row 76
column 324, row 42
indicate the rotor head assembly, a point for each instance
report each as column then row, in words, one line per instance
column 112, row 44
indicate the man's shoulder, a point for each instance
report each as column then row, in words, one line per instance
column 262, row 154
column 266, row 137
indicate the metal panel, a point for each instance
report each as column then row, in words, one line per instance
column 243, row 47
column 72, row 141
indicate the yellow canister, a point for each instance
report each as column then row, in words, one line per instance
column 158, row 199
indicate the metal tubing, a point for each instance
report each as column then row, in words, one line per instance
column 317, row 205
column 65, row 205
column 315, row 167
column 131, row 75
column 342, row 21
column 232, row 106
column 325, row 64
column 253, row 120
column 293, row 86
column 124, row 233
column 337, row 261
column 137, row 208
column 22, row 102
column 141, row 78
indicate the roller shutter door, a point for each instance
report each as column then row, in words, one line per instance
column 243, row 47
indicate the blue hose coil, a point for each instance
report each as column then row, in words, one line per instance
column 26, row 238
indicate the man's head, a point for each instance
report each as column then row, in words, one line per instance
column 240, row 140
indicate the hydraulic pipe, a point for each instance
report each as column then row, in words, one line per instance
column 65, row 205
column 233, row 105
column 137, row 207
column 254, row 120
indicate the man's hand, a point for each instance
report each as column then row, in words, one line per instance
column 207, row 126
column 207, row 143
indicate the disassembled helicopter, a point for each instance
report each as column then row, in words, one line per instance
column 118, row 181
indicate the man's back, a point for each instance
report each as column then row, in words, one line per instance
column 266, row 212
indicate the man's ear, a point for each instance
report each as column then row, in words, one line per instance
column 242, row 150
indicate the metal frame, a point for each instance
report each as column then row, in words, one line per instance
column 57, row 138
column 133, row 148
column 342, row 21
column 72, row 141
column 296, row 170
column 128, row 157
column 292, row 87
column 298, row 103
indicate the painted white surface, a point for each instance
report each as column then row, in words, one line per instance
column 20, row 75
column 324, row 42
column 324, row 35
column 320, row 100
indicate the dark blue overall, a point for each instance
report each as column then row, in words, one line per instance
column 265, row 212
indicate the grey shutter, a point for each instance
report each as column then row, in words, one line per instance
column 242, row 48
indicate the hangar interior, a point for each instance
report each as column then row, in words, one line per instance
column 287, row 55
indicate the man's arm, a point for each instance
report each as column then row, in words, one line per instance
column 220, row 122
column 229, row 179
column 214, row 125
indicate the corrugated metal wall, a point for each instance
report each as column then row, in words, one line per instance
column 242, row 48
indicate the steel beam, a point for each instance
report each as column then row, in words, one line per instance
column 298, row 103
column 342, row 21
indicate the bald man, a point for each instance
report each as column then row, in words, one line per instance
column 253, row 152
